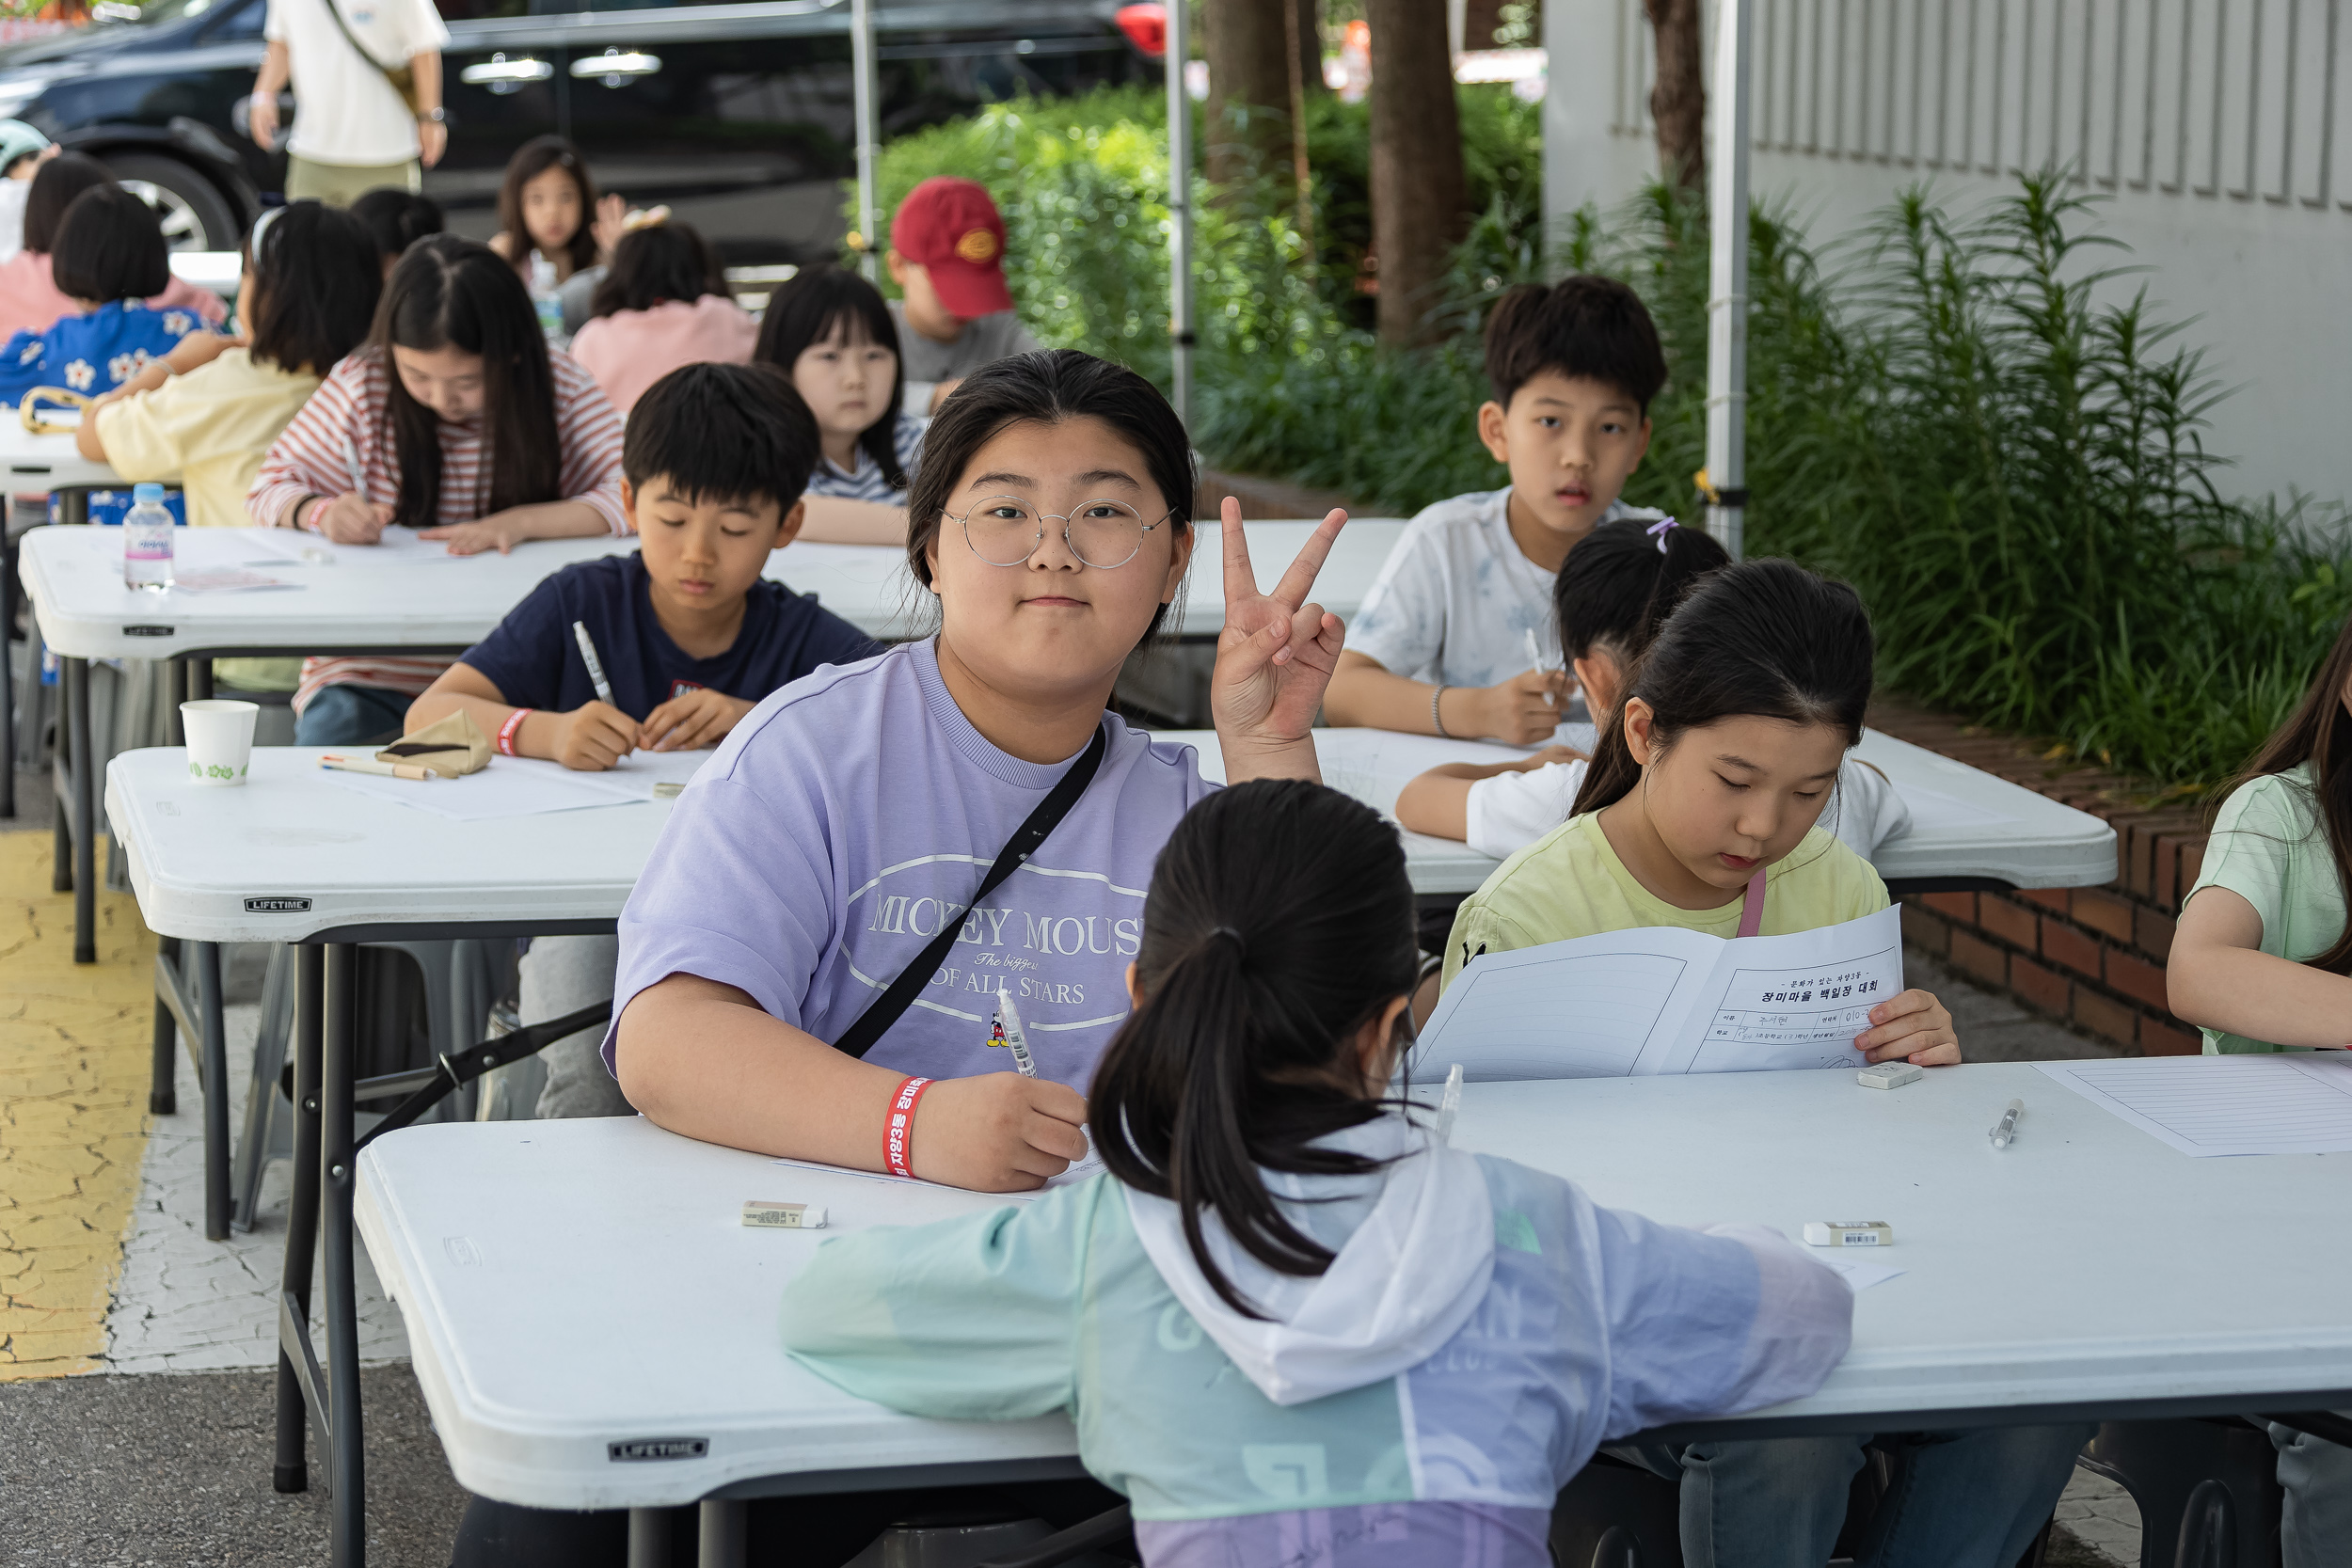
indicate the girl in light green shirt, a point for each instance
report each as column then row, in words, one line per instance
column 1700, row 810
column 1701, row 806
column 2262, row 960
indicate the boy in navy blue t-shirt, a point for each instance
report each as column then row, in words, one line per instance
column 690, row 635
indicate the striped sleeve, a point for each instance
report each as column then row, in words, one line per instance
column 589, row 428
column 907, row 440
column 307, row 457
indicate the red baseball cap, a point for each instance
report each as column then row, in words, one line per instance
column 952, row 228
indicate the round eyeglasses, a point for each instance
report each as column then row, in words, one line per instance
column 1006, row 530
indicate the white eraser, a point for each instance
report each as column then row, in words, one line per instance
column 783, row 1216
column 1887, row 1075
column 1846, row 1233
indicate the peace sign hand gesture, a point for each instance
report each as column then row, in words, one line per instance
column 1274, row 659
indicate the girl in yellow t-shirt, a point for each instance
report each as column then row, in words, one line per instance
column 1703, row 795
column 1709, row 778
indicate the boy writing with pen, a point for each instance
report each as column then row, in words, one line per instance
column 667, row 648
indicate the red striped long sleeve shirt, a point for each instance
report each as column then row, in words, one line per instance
column 345, row 418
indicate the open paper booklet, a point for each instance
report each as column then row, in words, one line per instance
column 1664, row 999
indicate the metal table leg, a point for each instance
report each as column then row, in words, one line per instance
column 8, row 673
column 85, row 813
column 199, row 679
column 296, row 1366
column 162, row 1097
column 723, row 1541
column 350, row 1543
column 214, row 1046
column 175, row 692
column 648, row 1538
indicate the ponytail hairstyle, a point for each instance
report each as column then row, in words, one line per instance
column 2320, row 733
column 1762, row 640
column 1622, row 580
column 316, row 281
column 1280, row 922
column 452, row 293
column 805, row 312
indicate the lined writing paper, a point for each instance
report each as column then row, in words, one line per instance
column 2208, row 1105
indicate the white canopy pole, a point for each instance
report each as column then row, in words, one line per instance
column 1180, row 209
column 1727, row 295
column 868, row 133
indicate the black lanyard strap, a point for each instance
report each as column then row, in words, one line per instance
column 877, row 1017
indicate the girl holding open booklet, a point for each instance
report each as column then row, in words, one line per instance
column 1701, row 810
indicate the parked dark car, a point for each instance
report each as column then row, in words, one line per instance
column 737, row 114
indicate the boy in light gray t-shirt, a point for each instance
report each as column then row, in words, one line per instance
column 947, row 257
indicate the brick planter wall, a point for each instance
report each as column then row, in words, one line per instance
column 2090, row 957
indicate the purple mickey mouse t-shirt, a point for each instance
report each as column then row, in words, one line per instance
column 815, row 856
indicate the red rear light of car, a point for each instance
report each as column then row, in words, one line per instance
column 1146, row 27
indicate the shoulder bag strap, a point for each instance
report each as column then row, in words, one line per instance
column 884, row 1011
column 400, row 78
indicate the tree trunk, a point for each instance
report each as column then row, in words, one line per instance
column 1679, row 101
column 1247, row 128
column 1309, row 15
column 1419, row 199
column 1480, row 19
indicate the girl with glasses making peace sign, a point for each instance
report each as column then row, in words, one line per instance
column 818, row 959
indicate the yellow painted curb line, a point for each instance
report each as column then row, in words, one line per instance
column 74, row 1070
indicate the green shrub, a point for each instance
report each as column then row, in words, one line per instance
column 2013, row 474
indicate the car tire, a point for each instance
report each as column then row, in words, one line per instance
column 194, row 213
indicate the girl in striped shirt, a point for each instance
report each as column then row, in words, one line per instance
column 484, row 437
column 831, row 332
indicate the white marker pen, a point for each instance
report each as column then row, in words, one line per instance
column 2005, row 1130
column 1536, row 660
column 1016, row 1036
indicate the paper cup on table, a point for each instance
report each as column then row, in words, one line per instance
column 220, row 739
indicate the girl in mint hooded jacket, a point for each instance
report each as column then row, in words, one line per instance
column 1289, row 1323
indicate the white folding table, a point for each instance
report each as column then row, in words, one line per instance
column 48, row 463
column 290, row 857
column 2028, row 1275
column 1969, row 830
column 422, row 601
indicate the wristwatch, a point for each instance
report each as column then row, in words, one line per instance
column 436, row 116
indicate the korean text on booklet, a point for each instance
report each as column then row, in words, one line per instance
column 1666, row 999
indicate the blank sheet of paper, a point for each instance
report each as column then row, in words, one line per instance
column 2207, row 1105
column 1590, row 1017
column 510, row 787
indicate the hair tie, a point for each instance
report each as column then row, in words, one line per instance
column 1240, row 946
column 1658, row 531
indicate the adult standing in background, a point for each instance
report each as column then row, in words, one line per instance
column 366, row 81
column 947, row 256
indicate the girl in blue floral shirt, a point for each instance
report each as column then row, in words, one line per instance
column 109, row 259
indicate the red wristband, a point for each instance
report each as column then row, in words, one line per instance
column 898, row 1131
column 513, row 726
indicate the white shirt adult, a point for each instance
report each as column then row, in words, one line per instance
column 347, row 114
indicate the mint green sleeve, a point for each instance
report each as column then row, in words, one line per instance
column 2256, row 835
column 970, row 1318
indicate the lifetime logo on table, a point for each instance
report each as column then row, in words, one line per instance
column 277, row 906
column 637, row 1449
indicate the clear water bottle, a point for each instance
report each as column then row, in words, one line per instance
column 146, row 540
column 546, row 297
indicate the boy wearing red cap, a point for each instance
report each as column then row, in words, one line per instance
column 947, row 256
